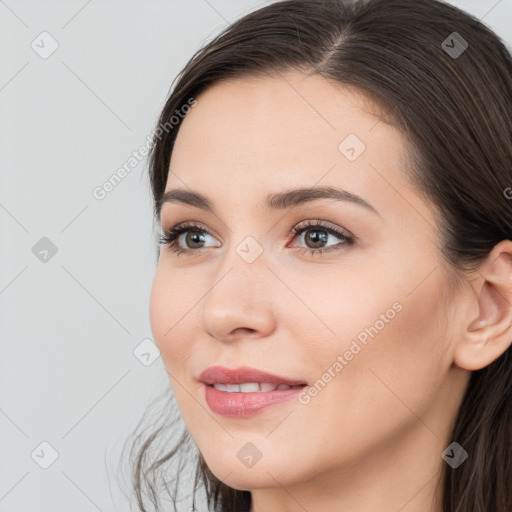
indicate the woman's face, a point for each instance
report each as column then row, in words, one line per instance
column 363, row 323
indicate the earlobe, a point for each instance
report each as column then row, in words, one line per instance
column 489, row 334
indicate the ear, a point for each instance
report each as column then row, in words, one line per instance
column 489, row 334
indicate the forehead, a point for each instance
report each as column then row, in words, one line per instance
column 253, row 135
column 271, row 112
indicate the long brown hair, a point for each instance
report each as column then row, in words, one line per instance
column 450, row 95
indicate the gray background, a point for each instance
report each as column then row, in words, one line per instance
column 70, row 321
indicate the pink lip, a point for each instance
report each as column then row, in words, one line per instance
column 241, row 405
column 223, row 375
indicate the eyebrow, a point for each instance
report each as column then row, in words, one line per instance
column 276, row 201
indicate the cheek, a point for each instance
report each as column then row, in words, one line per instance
column 388, row 316
column 394, row 310
column 346, row 307
column 170, row 313
column 390, row 344
column 387, row 352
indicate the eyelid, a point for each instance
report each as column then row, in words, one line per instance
column 189, row 225
column 321, row 224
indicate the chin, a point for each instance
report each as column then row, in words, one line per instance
column 263, row 474
column 245, row 479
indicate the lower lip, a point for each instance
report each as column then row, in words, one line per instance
column 242, row 405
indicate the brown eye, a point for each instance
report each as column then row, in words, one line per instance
column 187, row 238
column 193, row 238
column 315, row 237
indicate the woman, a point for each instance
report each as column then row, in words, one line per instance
column 332, row 300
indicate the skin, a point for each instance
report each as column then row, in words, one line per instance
column 372, row 438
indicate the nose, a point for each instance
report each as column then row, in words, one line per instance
column 239, row 300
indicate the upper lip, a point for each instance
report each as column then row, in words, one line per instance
column 243, row 374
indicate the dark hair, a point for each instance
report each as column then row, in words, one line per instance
column 450, row 95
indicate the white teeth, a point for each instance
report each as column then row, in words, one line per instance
column 250, row 387
column 267, row 387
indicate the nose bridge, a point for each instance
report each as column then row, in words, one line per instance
column 238, row 296
column 244, row 261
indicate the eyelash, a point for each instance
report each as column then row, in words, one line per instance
column 170, row 237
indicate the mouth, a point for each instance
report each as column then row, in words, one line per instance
column 245, row 392
column 246, row 377
column 253, row 387
column 244, row 404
